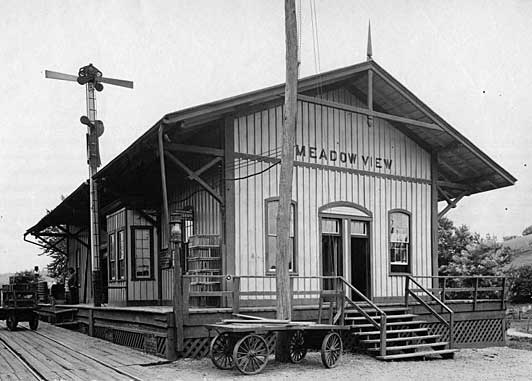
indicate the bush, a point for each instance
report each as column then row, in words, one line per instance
column 521, row 284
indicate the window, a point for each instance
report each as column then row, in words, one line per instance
column 112, row 256
column 142, row 252
column 399, row 241
column 271, row 206
column 121, row 251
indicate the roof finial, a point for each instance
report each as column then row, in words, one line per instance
column 369, row 50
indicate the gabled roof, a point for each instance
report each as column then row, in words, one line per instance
column 463, row 167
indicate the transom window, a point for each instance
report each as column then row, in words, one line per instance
column 399, row 241
column 271, row 235
column 142, row 251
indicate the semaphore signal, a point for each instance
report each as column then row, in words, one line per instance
column 93, row 79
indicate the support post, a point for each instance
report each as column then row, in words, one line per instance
column 236, row 295
column 475, row 294
column 444, row 289
column 451, row 331
column 229, row 196
column 383, row 335
column 91, row 322
column 434, row 217
column 407, row 290
column 171, row 353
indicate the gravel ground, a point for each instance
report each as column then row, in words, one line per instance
column 495, row 363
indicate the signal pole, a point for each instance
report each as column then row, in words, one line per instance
column 92, row 78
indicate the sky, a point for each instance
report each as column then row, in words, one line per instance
column 470, row 61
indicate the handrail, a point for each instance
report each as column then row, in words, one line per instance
column 382, row 326
column 408, row 292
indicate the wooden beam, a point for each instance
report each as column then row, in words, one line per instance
column 207, row 166
column 75, row 235
column 195, row 177
column 360, row 110
column 453, row 185
column 444, row 194
column 453, row 204
column 194, row 149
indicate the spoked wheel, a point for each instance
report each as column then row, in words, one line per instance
column 296, row 347
column 251, row 354
column 222, row 351
column 34, row 322
column 331, row 350
column 11, row 322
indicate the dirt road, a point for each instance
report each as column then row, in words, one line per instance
column 497, row 363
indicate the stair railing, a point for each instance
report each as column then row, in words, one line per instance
column 408, row 291
column 381, row 325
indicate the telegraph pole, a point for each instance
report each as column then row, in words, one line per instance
column 92, row 78
column 284, row 292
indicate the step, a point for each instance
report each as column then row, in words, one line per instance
column 442, row 352
column 399, row 339
column 391, row 324
column 394, row 331
column 410, row 346
column 388, row 317
column 370, row 311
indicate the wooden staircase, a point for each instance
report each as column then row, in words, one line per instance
column 392, row 332
column 406, row 338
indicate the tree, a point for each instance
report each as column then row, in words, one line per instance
column 486, row 257
column 56, row 249
column 452, row 240
column 521, row 284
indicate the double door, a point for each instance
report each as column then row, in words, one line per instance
column 345, row 251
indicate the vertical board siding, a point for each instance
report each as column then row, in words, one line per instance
column 207, row 214
column 259, row 133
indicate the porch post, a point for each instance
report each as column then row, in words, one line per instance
column 165, row 226
column 434, row 217
column 228, row 261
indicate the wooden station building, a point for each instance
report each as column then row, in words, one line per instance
column 372, row 161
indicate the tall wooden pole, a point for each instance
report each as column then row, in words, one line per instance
column 284, row 305
column 93, row 199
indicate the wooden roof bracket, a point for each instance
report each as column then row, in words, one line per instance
column 48, row 245
column 194, row 175
column 74, row 236
column 451, row 203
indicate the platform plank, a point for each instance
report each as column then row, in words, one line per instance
column 58, row 353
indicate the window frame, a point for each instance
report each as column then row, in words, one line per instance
column 267, row 254
column 111, row 248
column 400, row 268
column 133, row 229
column 121, row 277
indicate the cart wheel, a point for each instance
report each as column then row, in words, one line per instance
column 222, row 351
column 251, row 354
column 11, row 322
column 331, row 350
column 296, row 347
column 34, row 322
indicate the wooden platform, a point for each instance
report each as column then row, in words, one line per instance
column 57, row 353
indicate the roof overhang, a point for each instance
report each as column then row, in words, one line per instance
column 462, row 167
